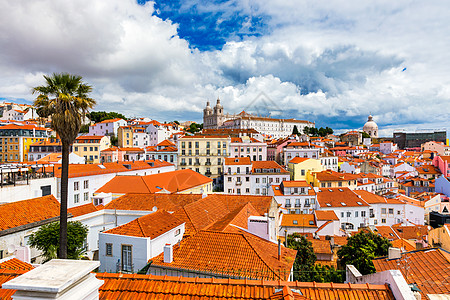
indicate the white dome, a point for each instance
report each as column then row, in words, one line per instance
column 371, row 128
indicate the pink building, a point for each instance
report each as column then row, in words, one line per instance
column 443, row 163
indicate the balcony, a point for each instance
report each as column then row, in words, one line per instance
column 298, row 205
column 197, row 163
column 208, row 174
column 287, row 205
column 208, row 163
column 238, row 182
column 372, row 216
column 182, row 164
column 307, row 205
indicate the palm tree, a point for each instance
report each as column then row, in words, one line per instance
column 65, row 99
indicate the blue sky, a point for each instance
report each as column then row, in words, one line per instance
column 333, row 63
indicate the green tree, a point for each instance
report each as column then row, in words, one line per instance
column 46, row 239
column 84, row 128
column 361, row 249
column 327, row 274
column 305, row 259
column 194, row 127
column 295, row 130
column 176, row 122
column 98, row 116
column 114, row 140
column 365, row 135
column 65, row 98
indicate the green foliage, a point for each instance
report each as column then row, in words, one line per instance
column 84, row 128
column 176, row 122
column 295, row 130
column 194, row 127
column 98, row 116
column 46, row 239
column 114, row 140
column 361, row 248
column 305, row 259
column 327, row 274
column 312, row 131
column 365, row 135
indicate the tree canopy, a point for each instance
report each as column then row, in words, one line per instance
column 305, row 268
column 361, row 249
column 46, row 239
column 295, row 130
column 313, row 131
column 98, row 116
column 194, row 127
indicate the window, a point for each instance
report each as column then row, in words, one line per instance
column 177, row 232
column 86, row 196
column 76, row 198
column 257, row 191
column 126, row 258
column 238, row 191
column 363, row 213
column 356, row 214
column 86, row 184
column 342, row 214
column 76, row 186
column 383, row 211
column 108, row 249
column 383, row 221
column 85, row 148
column 391, row 211
column 322, row 184
column 257, row 180
column 247, row 190
column 349, row 214
column 247, row 179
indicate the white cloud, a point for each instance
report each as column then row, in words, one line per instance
column 339, row 61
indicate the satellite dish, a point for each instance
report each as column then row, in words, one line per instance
column 11, row 248
column 154, row 208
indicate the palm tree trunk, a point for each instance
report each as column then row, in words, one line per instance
column 64, row 189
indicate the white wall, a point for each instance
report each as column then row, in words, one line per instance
column 24, row 192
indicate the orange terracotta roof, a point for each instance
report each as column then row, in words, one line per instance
column 6, row 275
column 386, row 232
column 50, row 158
column 296, row 183
column 168, row 202
column 321, row 246
column 372, row 198
column 24, row 212
column 297, row 160
column 175, row 181
column 339, row 197
column 166, row 143
column 126, row 286
column 326, row 215
column 333, row 176
column 238, row 217
column 298, row 220
column 15, row 264
column 82, row 209
column 237, row 161
column 151, row 225
column 411, row 232
column 206, row 250
column 28, row 127
column 79, row 170
column 111, row 120
column 405, row 244
column 429, row 269
column 47, row 142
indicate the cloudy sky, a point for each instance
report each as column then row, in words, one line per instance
column 332, row 62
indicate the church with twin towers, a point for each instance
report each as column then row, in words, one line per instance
column 215, row 118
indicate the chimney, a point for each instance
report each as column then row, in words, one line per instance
column 168, row 253
column 279, row 249
column 58, row 279
column 394, row 253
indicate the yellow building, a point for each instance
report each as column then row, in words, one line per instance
column 440, row 237
column 331, row 179
column 299, row 167
column 15, row 141
column 89, row 147
column 125, row 136
column 204, row 154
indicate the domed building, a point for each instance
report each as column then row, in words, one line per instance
column 371, row 128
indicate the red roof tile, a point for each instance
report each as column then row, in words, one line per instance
column 230, row 254
column 326, row 215
column 175, row 181
column 28, row 211
column 168, row 202
column 339, row 197
column 151, row 225
column 15, row 264
column 82, row 209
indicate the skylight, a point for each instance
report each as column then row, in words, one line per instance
column 101, row 166
column 343, row 204
column 359, row 203
column 295, row 222
column 328, row 204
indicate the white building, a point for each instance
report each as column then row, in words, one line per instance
column 352, row 211
column 329, row 161
column 246, row 146
column 244, row 177
column 166, row 150
column 129, row 247
column 141, row 138
column 383, row 211
column 107, row 127
column 387, row 147
column 19, row 115
column 296, row 197
column 159, row 132
column 300, row 149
